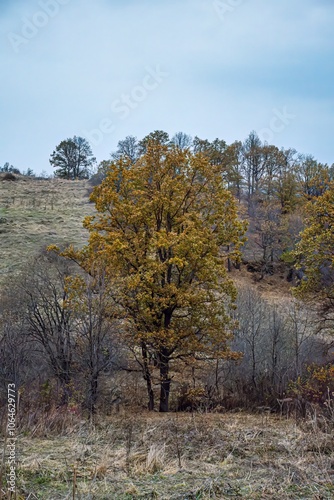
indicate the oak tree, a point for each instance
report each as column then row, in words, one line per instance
column 161, row 234
column 158, row 137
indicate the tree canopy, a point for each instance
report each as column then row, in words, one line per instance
column 165, row 228
column 73, row 159
column 315, row 251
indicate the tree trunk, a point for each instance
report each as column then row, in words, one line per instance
column 93, row 394
column 150, row 393
column 253, row 365
column 164, row 381
column 147, row 377
column 229, row 267
column 66, row 389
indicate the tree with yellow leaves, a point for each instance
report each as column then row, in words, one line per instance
column 165, row 228
column 315, row 252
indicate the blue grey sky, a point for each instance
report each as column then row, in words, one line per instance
column 105, row 69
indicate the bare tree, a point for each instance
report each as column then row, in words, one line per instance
column 251, row 315
column 276, row 346
column 182, row 140
column 302, row 334
column 50, row 322
column 20, row 361
column 128, row 147
column 253, row 164
column 96, row 349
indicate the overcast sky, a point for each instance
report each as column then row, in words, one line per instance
column 105, row 69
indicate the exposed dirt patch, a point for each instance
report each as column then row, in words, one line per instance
column 273, row 287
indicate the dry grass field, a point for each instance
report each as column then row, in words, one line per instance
column 176, row 456
column 35, row 213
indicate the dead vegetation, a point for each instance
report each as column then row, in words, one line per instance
column 176, row 456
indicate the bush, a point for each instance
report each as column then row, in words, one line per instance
column 315, row 385
column 9, row 177
column 189, row 399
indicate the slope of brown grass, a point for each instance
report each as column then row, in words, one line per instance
column 35, row 213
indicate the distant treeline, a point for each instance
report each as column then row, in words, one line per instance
column 7, row 168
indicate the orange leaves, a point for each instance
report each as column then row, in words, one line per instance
column 315, row 251
column 316, row 385
column 160, row 235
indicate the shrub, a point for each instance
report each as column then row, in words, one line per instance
column 315, row 386
column 9, row 177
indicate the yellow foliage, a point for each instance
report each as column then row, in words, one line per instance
column 164, row 230
column 315, row 251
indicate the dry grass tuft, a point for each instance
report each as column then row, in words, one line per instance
column 155, row 460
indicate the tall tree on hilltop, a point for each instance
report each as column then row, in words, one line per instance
column 232, row 169
column 253, row 164
column 73, row 159
column 154, row 138
column 128, row 147
column 182, row 140
column 161, row 235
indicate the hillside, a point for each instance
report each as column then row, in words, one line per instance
column 39, row 212
column 130, row 454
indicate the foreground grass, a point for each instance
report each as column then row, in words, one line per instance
column 177, row 456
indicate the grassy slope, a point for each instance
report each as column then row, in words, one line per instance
column 35, row 213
